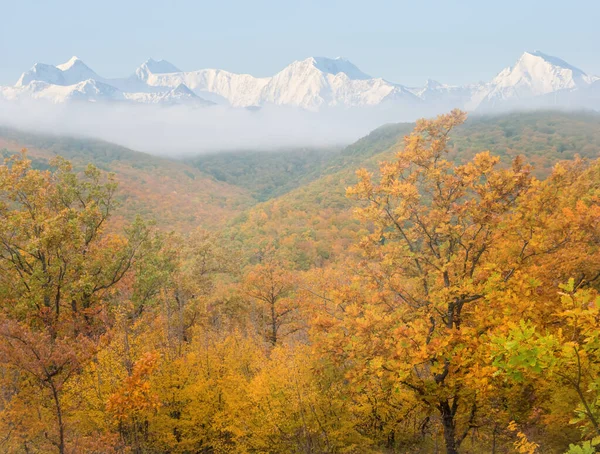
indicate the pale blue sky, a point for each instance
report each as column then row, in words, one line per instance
column 402, row 41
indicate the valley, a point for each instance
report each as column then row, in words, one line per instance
column 273, row 194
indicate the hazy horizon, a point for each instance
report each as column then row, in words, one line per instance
column 403, row 42
column 397, row 46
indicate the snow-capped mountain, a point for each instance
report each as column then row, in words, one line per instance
column 538, row 73
column 69, row 73
column 315, row 83
column 75, row 81
column 88, row 90
column 535, row 75
column 318, row 82
column 238, row 90
column 311, row 83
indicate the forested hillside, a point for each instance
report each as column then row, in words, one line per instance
column 175, row 195
column 210, row 189
column 315, row 222
column 432, row 288
column 266, row 174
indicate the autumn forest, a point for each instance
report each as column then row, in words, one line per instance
column 431, row 288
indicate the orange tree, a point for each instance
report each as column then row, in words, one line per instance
column 434, row 227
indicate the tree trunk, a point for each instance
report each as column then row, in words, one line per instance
column 448, row 424
column 273, row 324
column 61, row 427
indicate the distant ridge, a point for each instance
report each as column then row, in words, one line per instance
column 313, row 84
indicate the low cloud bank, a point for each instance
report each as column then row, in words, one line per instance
column 179, row 130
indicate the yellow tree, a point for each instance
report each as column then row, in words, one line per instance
column 435, row 225
column 347, row 327
column 58, row 268
column 551, row 339
column 271, row 285
column 169, row 309
column 294, row 406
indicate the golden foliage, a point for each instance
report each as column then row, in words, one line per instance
column 465, row 318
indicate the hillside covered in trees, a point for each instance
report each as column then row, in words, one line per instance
column 433, row 287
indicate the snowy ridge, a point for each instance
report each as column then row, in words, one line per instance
column 312, row 84
column 69, row 73
column 238, row 90
column 87, row 90
column 534, row 74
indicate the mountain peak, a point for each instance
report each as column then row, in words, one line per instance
column 68, row 73
column 534, row 74
column 152, row 66
column 184, row 90
column 159, row 66
column 433, row 84
column 338, row 65
column 536, row 55
column 542, row 72
column 69, row 64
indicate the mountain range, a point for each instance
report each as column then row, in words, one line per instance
column 316, row 83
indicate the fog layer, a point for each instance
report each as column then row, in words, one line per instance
column 176, row 130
